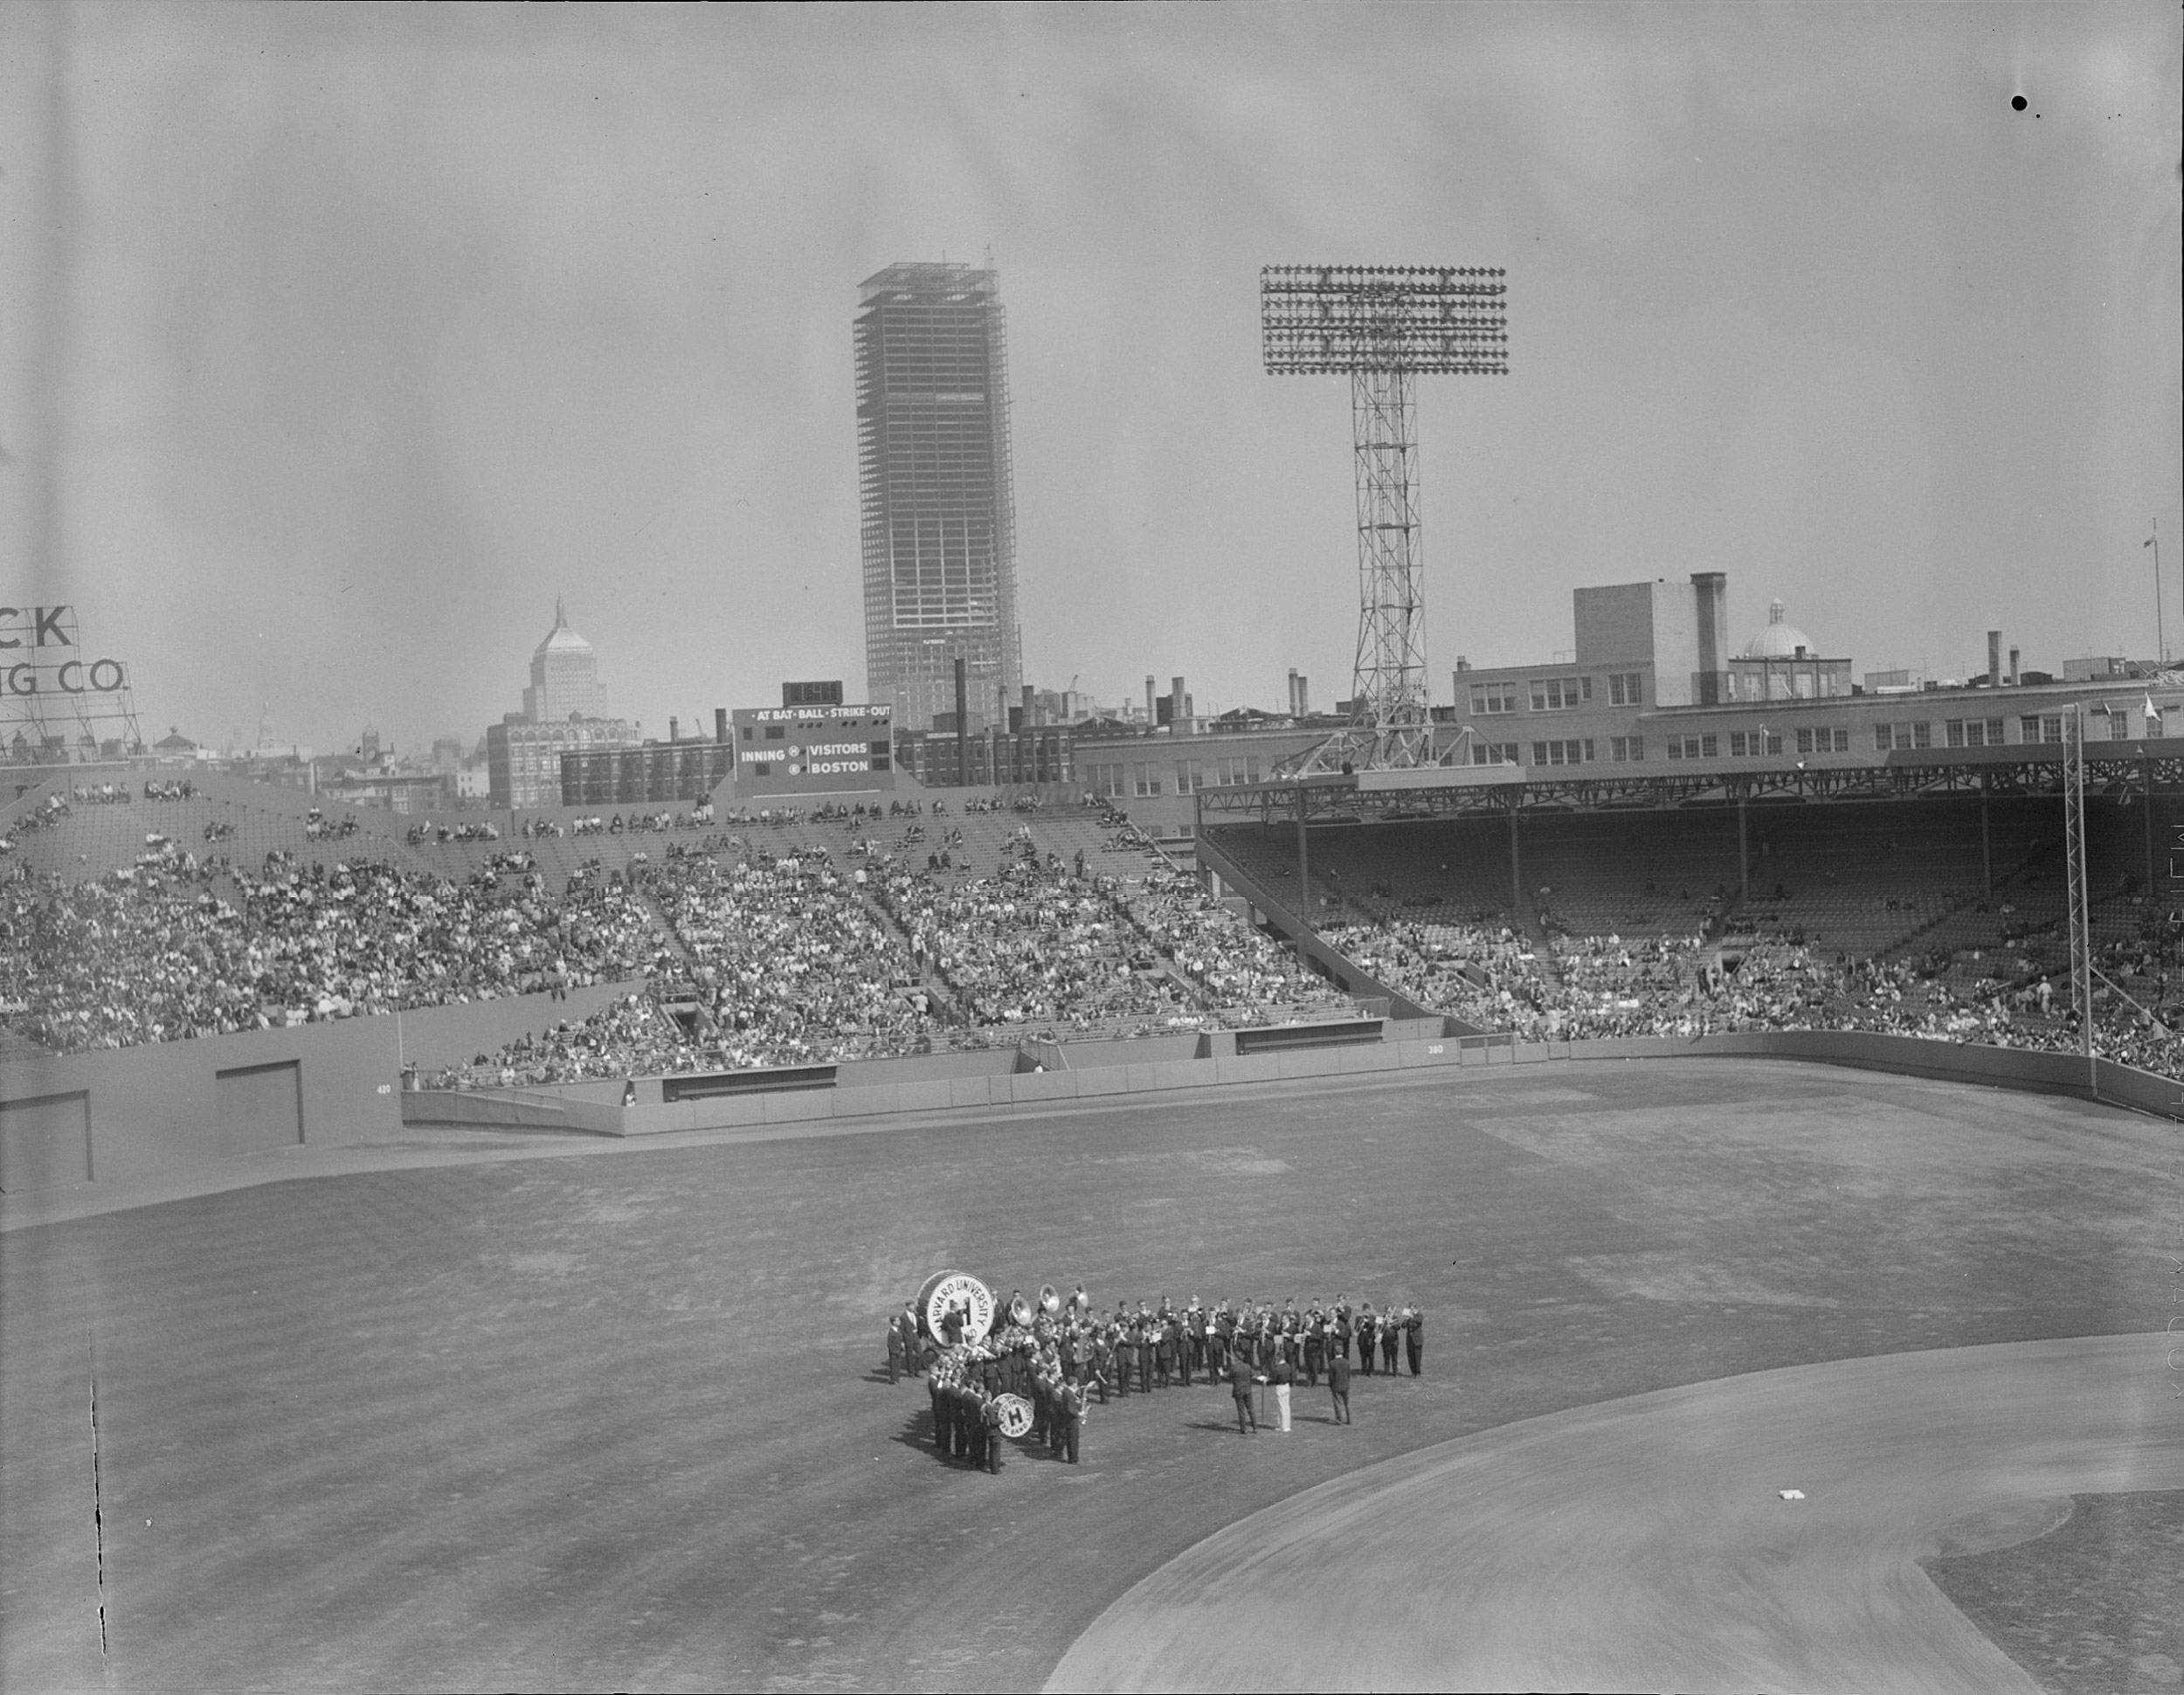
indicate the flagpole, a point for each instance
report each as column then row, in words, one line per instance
column 2159, row 634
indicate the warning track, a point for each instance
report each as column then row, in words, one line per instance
column 1645, row 1543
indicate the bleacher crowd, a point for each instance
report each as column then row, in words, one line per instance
column 175, row 947
column 1579, row 988
column 854, row 931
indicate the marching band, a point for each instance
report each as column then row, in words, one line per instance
column 1036, row 1372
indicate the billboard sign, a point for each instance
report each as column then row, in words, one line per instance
column 57, row 699
column 814, row 750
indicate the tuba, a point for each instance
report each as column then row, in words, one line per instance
column 1049, row 1303
column 1021, row 1312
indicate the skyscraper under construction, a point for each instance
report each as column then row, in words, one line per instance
column 938, row 508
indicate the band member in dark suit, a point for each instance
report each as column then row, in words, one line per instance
column 1391, row 1339
column 1415, row 1337
column 1073, row 1406
column 895, row 1351
column 974, row 1406
column 1315, row 1352
column 1241, row 1380
column 1338, row 1386
column 1148, row 1329
column 993, row 1435
column 940, row 1415
column 1125, row 1358
column 1366, row 1325
column 1163, row 1352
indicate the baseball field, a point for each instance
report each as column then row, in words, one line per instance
column 468, row 1411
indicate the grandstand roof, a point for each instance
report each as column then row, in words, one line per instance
column 2115, row 768
column 1779, row 639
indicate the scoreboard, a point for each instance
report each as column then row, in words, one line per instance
column 814, row 750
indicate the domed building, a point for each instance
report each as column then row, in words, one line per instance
column 1780, row 640
column 1782, row 663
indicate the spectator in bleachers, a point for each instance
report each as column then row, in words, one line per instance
column 149, row 953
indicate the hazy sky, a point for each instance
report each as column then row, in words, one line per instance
column 337, row 341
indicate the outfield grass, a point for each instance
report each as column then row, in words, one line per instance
column 621, row 1420
column 2092, row 1607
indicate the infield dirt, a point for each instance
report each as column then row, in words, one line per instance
column 621, row 1419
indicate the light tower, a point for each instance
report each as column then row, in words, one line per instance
column 1383, row 325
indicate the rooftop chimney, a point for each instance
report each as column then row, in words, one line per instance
column 963, row 726
column 1994, row 659
column 2012, row 668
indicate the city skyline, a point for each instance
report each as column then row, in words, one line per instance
column 344, row 358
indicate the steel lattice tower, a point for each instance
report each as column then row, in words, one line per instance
column 1383, row 326
column 2074, row 873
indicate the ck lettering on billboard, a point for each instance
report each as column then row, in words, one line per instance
column 38, row 655
column 814, row 750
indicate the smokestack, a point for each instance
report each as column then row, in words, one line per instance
column 1293, row 691
column 1177, row 710
column 1994, row 659
column 2012, row 668
column 674, row 730
column 1304, row 695
column 720, row 724
column 1710, row 589
column 1151, row 682
column 963, row 728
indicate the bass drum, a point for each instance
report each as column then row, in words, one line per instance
column 946, row 1288
column 1016, row 1416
